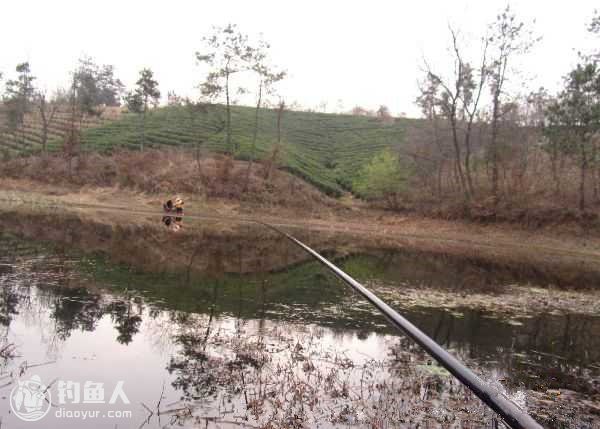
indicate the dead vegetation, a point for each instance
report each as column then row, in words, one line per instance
column 279, row 379
column 172, row 171
column 528, row 194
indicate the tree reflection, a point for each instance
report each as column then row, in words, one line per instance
column 126, row 318
column 242, row 334
column 195, row 371
column 9, row 301
column 75, row 309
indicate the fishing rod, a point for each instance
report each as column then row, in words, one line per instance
column 512, row 415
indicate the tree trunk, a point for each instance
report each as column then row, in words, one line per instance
column 143, row 141
column 278, row 146
column 198, row 147
column 582, row 179
column 228, row 107
column 457, row 158
column 468, row 160
column 279, row 116
column 254, row 136
column 594, row 162
column 494, row 147
column 441, row 161
column 44, row 139
column 439, row 178
column 499, row 83
column 456, row 180
column 44, row 125
column 554, row 164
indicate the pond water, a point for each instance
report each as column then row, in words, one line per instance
column 129, row 323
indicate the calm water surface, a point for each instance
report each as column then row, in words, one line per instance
column 227, row 325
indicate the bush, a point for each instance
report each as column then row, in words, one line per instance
column 383, row 178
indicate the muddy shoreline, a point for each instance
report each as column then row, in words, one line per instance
column 566, row 245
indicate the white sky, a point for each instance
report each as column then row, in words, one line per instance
column 360, row 52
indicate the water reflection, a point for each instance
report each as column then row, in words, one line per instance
column 173, row 223
column 242, row 327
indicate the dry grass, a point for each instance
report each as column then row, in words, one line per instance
column 169, row 172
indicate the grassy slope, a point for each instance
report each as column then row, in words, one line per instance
column 327, row 150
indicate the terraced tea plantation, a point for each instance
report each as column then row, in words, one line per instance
column 28, row 140
column 327, row 150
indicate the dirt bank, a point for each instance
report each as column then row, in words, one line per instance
column 159, row 172
column 547, row 247
column 261, row 186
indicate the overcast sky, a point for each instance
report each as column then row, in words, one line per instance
column 344, row 52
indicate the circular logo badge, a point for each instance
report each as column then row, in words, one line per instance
column 30, row 399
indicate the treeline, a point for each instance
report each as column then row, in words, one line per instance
column 486, row 150
column 30, row 118
column 482, row 148
column 95, row 90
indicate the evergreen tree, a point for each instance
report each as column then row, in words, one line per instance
column 144, row 95
column 18, row 98
column 227, row 53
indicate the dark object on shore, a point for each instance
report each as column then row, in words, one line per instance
column 174, row 205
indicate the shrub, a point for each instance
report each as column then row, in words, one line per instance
column 383, row 178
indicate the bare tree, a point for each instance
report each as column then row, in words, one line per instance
column 360, row 111
column 47, row 110
column 508, row 38
column 267, row 77
column 277, row 148
column 436, row 141
column 72, row 132
column 458, row 100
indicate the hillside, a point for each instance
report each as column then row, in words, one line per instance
column 326, row 150
column 28, row 140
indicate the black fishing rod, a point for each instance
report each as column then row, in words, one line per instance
column 512, row 415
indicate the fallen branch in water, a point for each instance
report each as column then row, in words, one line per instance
column 150, row 414
column 162, row 392
column 8, row 351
